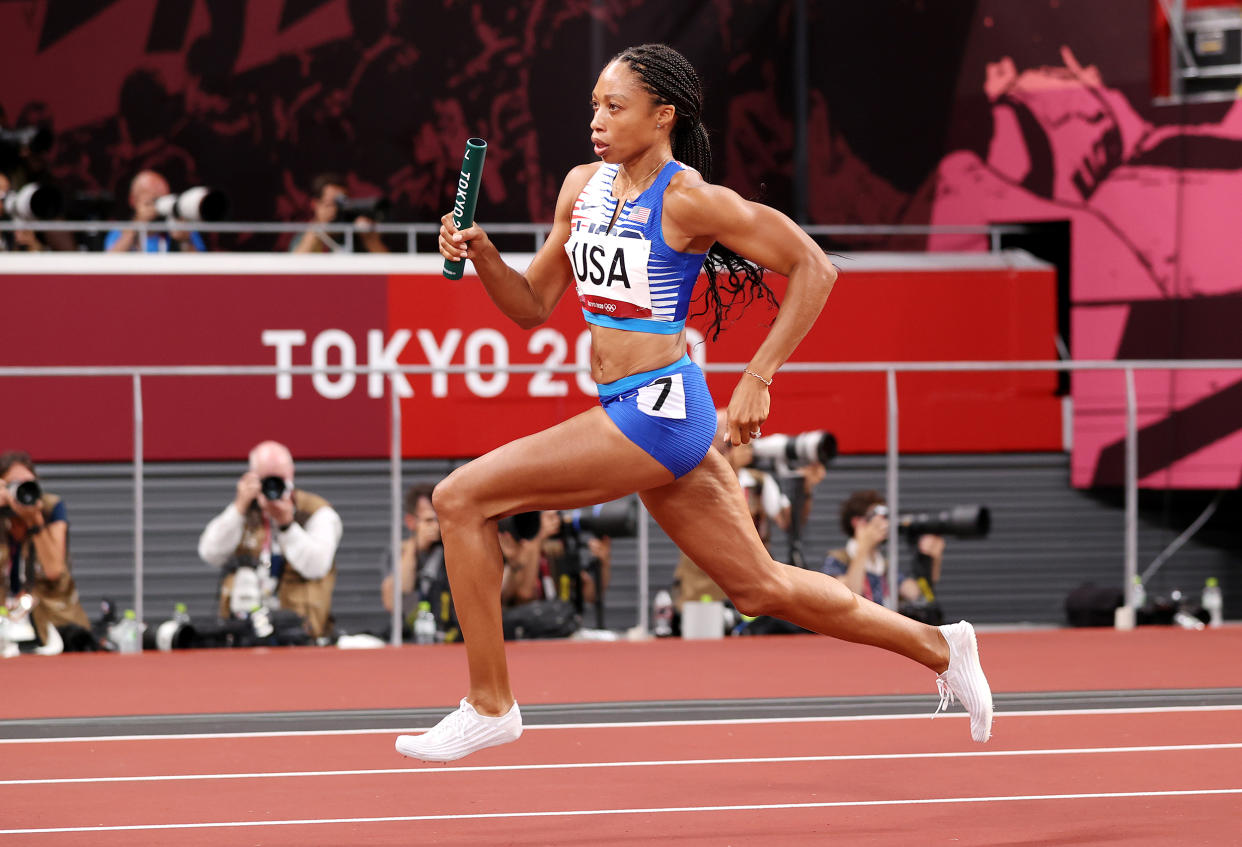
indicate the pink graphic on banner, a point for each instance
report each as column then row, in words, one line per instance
column 1154, row 220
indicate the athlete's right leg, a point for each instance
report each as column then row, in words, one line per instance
column 580, row 462
column 706, row 516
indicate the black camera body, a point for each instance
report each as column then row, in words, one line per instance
column 349, row 209
column 35, row 139
column 617, row 519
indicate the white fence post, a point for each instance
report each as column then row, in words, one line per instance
column 395, row 539
column 890, row 598
column 138, row 498
column 1131, row 552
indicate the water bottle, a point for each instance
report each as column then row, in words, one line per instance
column 8, row 647
column 261, row 622
column 180, row 614
column 662, row 616
column 126, row 634
column 424, row 624
column 1140, row 593
column 1212, row 601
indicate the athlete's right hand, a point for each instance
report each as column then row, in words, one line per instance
column 457, row 244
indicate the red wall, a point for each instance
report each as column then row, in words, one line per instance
column 220, row 320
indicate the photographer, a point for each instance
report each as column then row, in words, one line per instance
column 863, row 568
column 147, row 187
column 281, row 535
column 423, row 576
column 327, row 194
column 541, row 566
column 34, row 549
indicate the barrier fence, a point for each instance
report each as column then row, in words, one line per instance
column 890, row 369
column 537, row 231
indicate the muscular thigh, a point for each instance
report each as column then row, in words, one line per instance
column 580, row 462
column 706, row 516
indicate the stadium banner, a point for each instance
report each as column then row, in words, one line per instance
column 282, row 311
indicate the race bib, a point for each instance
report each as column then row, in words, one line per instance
column 611, row 273
column 664, row 398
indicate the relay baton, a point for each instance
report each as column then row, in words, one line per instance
column 466, row 198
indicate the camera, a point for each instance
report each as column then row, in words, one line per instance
column 617, row 519
column 26, row 493
column 957, row 521
column 32, row 202
column 786, row 453
column 274, row 487
column 349, row 209
column 33, row 139
column 195, row 204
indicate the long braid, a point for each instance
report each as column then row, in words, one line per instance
column 670, row 78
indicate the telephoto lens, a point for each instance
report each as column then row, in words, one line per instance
column 273, row 487
column 195, row 204
column 26, row 493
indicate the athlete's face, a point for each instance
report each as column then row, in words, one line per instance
column 625, row 119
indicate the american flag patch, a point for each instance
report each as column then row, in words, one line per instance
column 639, row 214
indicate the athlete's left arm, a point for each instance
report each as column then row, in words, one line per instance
column 773, row 241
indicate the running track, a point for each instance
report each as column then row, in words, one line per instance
column 1101, row 737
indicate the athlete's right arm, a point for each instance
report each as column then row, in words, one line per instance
column 527, row 299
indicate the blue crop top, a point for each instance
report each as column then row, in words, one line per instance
column 627, row 277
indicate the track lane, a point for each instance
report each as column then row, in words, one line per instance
column 697, row 785
column 543, row 745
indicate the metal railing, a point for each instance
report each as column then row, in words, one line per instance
column 889, row 369
column 537, row 231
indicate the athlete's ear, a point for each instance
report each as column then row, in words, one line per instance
column 664, row 115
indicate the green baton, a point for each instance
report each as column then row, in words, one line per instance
column 466, row 198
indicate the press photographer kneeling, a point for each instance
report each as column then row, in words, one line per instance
column 276, row 545
column 863, row 568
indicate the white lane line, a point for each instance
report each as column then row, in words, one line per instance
column 649, row 763
column 651, row 811
column 308, row 733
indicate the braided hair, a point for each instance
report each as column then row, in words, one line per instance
column 670, row 78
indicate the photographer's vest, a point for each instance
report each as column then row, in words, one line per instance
column 310, row 598
column 58, row 602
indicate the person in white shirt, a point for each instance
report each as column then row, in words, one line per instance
column 275, row 543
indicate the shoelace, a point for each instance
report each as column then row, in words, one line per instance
column 946, row 696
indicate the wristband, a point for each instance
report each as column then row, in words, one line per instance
column 766, row 382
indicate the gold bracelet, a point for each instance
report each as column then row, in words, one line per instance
column 766, row 382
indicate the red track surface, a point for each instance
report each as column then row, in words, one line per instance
column 597, row 803
column 569, row 672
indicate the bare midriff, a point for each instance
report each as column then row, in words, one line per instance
column 618, row 353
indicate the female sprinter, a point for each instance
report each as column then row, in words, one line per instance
column 631, row 233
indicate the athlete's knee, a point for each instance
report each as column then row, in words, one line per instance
column 766, row 595
column 451, row 498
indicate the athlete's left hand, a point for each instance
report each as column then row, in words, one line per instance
column 748, row 409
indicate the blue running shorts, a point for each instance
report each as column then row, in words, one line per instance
column 668, row 412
